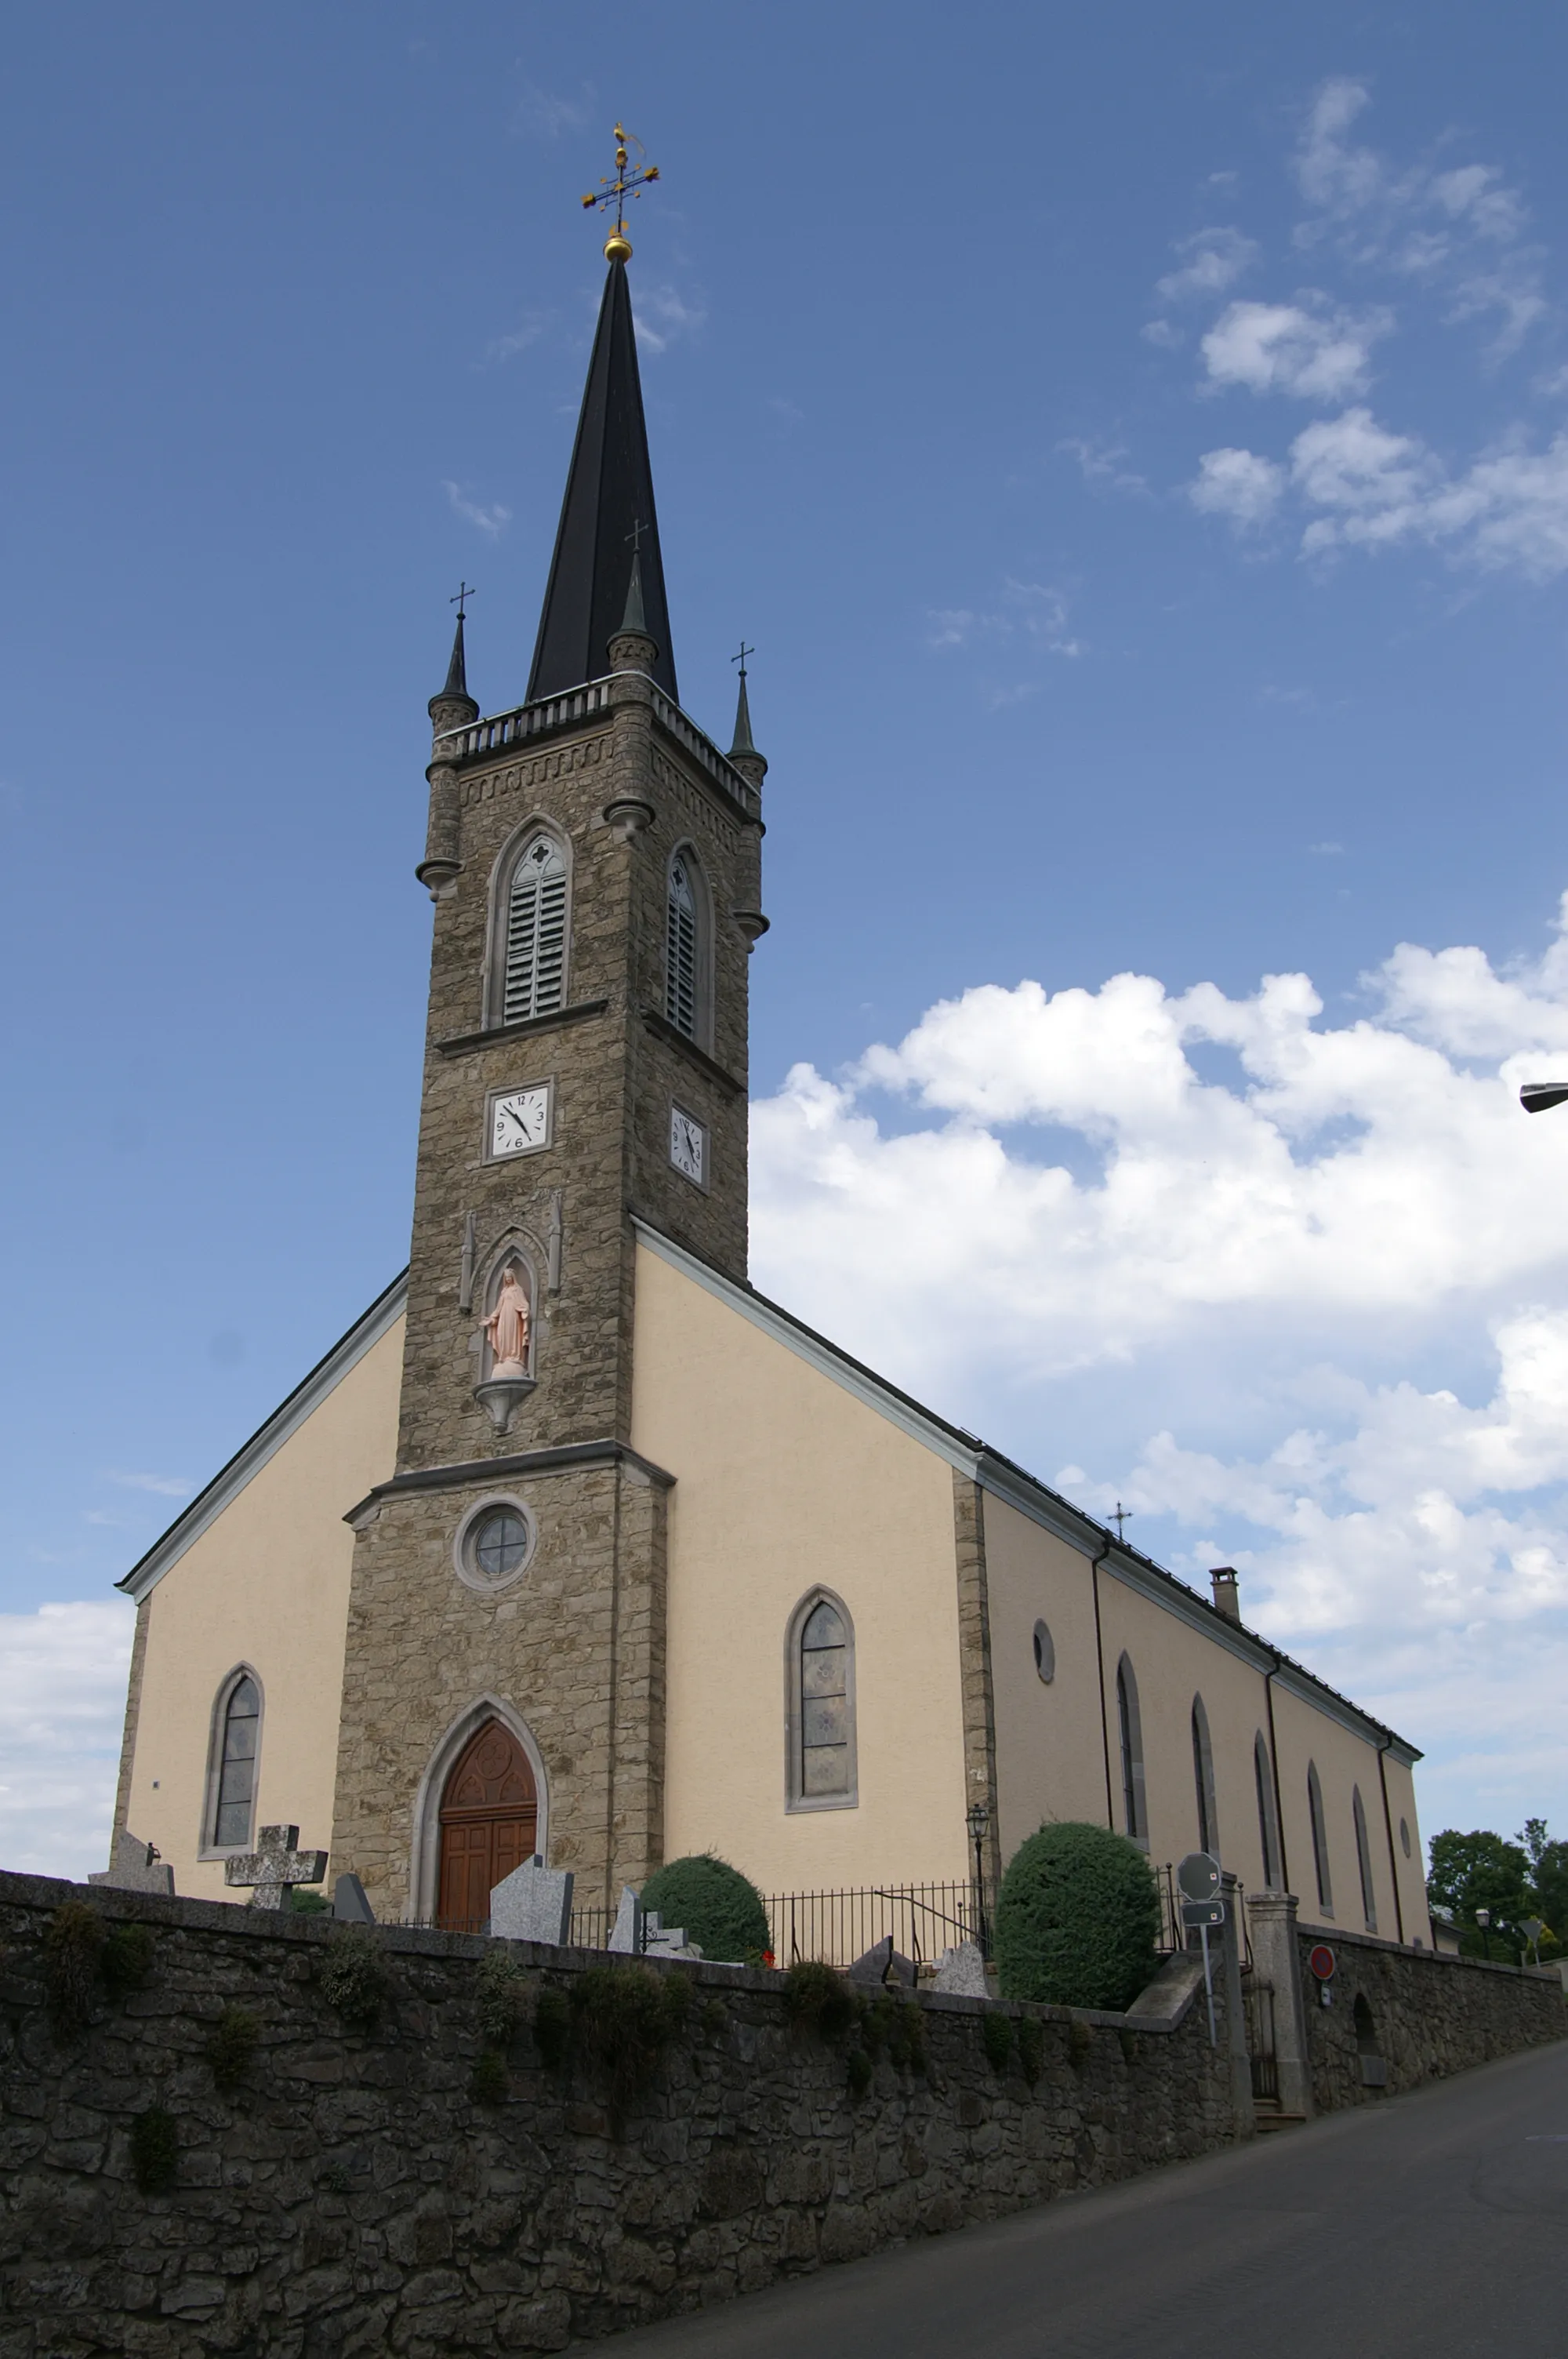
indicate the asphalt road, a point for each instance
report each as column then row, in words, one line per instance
column 1432, row 2224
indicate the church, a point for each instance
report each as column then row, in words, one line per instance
column 576, row 1546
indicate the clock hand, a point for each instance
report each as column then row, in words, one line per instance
column 516, row 1118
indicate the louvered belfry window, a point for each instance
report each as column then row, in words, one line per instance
column 680, row 954
column 536, row 933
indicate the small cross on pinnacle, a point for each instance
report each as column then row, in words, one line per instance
column 740, row 658
column 635, row 536
column 464, row 591
column 626, row 183
column 1118, row 1515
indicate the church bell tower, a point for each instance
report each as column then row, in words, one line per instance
column 594, row 862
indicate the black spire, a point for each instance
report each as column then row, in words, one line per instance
column 742, row 744
column 607, row 519
column 456, row 671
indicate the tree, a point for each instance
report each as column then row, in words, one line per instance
column 1549, row 1882
column 1480, row 1870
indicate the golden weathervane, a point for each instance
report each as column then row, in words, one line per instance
column 616, row 192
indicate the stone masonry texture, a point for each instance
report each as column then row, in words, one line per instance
column 1431, row 2016
column 581, row 1662
column 353, row 2194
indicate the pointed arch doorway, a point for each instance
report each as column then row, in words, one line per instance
column 489, row 1820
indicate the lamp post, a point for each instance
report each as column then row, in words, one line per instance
column 1537, row 1096
column 979, row 1819
column 1484, row 1919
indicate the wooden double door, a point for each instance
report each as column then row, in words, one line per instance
column 489, row 1820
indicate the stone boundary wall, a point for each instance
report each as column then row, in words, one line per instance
column 1430, row 2015
column 354, row 2193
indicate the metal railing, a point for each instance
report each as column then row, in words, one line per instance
column 549, row 713
column 840, row 1926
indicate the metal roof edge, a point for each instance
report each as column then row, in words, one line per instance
column 267, row 1439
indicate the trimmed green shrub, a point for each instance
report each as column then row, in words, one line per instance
column 155, row 2151
column 308, row 1904
column 1076, row 1918
column 817, row 1999
column 231, row 2050
column 720, row 1909
column 996, row 2033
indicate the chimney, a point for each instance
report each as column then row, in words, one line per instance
column 1224, row 1598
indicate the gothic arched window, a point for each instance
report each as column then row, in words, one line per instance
column 1319, row 1842
column 820, row 1716
column 533, row 930
column 236, row 1748
column 1135, row 1816
column 1364, row 1861
column 686, row 947
column 1203, row 1780
column 1268, row 1826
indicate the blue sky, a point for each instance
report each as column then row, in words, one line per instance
column 1129, row 439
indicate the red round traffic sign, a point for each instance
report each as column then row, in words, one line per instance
column 1321, row 1962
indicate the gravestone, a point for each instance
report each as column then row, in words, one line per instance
column 626, row 1933
column 135, row 1866
column 276, row 1864
column 350, row 1905
column 962, row 1971
column 533, row 1904
column 881, row 1960
column 661, row 1941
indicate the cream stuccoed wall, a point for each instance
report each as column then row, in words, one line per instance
column 266, row 1584
column 784, row 1479
column 1050, row 1745
column 1345, row 1762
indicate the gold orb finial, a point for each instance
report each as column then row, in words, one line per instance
column 617, row 245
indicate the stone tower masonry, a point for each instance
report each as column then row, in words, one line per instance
column 600, row 754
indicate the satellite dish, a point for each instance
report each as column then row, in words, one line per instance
column 1198, row 1876
column 1537, row 1096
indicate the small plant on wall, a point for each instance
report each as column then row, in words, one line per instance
column 73, row 1950
column 231, row 2049
column 354, row 1977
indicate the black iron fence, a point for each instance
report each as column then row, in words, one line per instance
column 838, row 1927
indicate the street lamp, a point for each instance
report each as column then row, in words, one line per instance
column 1484, row 1916
column 979, row 1819
column 1537, row 1096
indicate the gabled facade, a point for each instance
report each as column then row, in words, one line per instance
column 577, row 1544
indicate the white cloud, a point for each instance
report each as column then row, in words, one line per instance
column 1212, row 1293
column 62, row 1703
column 1026, row 615
column 1361, row 485
column 1216, row 258
column 1290, row 348
column 662, row 314
column 1462, row 228
column 1237, row 484
column 492, row 521
column 1101, row 464
column 166, row 1486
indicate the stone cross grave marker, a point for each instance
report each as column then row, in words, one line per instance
column 277, row 1864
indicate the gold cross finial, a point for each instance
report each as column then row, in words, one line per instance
column 616, row 192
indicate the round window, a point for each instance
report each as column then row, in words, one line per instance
column 495, row 1542
column 1045, row 1653
column 1405, row 1836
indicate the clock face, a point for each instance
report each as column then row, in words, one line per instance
column 519, row 1122
column 688, row 1146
